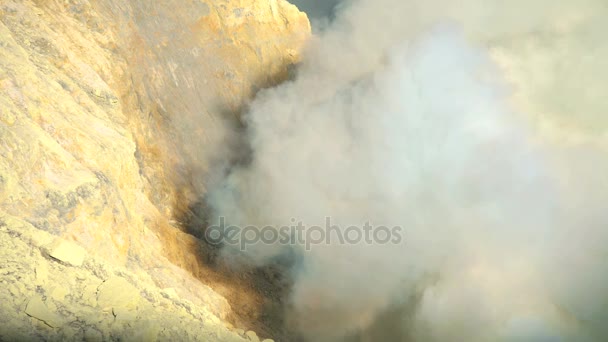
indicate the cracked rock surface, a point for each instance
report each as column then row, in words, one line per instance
column 45, row 298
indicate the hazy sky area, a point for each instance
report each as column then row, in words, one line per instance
column 316, row 9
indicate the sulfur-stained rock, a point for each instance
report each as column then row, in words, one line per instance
column 67, row 252
column 89, row 295
column 96, row 100
column 117, row 293
column 42, row 273
column 169, row 293
column 58, row 294
column 123, row 313
column 14, row 290
column 92, row 335
column 38, row 309
column 146, row 331
column 252, row 336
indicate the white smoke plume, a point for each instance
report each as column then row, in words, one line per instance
column 461, row 122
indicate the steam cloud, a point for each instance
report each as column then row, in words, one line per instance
column 459, row 122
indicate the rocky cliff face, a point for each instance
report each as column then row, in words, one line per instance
column 96, row 100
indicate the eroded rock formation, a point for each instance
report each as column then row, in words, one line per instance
column 96, row 100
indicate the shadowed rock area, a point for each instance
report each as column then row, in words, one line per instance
column 96, row 100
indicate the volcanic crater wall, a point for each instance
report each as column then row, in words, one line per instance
column 95, row 99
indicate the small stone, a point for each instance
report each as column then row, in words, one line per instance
column 67, row 252
column 169, row 293
column 252, row 336
column 37, row 308
column 241, row 332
